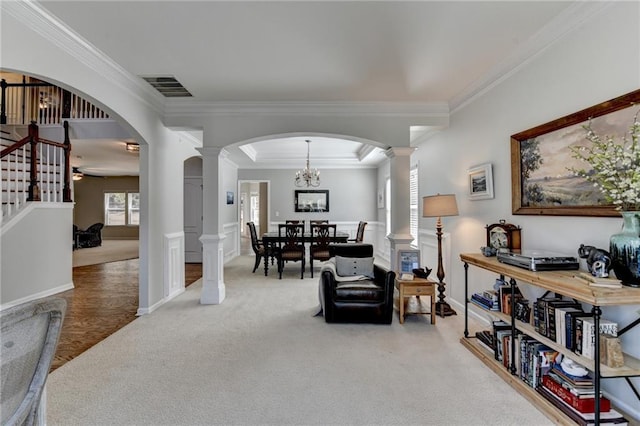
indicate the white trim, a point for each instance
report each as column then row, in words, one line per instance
column 35, row 296
column 173, row 268
column 566, row 22
column 181, row 107
column 32, row 15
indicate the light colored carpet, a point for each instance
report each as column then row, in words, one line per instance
column 110, row 251
column 262, row 358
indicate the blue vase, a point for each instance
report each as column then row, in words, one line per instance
column 624, row 248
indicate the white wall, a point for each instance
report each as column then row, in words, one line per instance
column 36, row 253
column 351, row 193
column 598, row 62
column 93, row 77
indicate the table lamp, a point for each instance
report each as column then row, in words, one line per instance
column 437, row 206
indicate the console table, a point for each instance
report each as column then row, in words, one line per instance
column 559, row 282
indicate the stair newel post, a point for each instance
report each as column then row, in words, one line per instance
column 66, row 189
column 34, row 190
column 3, row 102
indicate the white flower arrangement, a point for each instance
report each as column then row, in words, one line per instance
column 615, row 166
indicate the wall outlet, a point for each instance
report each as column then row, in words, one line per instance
column 277, row 214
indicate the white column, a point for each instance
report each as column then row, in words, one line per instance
column 213, row 287
column 400, row 237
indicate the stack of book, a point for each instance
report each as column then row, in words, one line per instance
column 585, row 334
column 485, row 337
column 487, row 299
column 506, row 294
column 575, row 396
column 536, row 360
column 564, row 322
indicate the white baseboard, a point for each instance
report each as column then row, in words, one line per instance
column 35, row 296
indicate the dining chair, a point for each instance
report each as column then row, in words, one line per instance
column 291, row 246
column 261, row 250
column 359, row 233
column 296, row 222
column 321, row 237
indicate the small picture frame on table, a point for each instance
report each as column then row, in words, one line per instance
column 408, row 260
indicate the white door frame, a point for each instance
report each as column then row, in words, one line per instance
column 240, row 182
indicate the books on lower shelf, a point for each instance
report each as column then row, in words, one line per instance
column 584, row 419
column 575, row 396
column 580, row 403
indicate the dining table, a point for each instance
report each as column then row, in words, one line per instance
column 272, row 239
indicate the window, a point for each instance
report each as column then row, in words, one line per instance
column 413, row 203
column 134, row 208
column 121, row 208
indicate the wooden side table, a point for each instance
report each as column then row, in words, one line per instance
column 416, row 287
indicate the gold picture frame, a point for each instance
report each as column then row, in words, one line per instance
column 541, row 183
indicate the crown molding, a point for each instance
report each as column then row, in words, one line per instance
column 179, row 107
column 564, row 23
column 190, row 139
column 37, row 18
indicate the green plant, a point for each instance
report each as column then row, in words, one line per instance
column 615, row 165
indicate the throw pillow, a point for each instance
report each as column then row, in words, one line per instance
column 347, row 266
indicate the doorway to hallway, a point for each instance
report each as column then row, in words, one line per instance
column 254, row 207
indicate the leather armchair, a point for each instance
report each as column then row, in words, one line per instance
column 369, row 301
column 90, row 237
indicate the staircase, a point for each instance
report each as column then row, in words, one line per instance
column 33, row 169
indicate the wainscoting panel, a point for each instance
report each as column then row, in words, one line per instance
column 231, row 240
column 173, row 265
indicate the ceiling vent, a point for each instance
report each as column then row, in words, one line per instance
column 168, row 86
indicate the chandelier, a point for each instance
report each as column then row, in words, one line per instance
column 308, row 176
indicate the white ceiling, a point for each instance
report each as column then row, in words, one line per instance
column 315, row 51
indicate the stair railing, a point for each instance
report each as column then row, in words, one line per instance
column 42, row 164
column 44, row 102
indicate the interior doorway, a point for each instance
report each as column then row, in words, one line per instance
column 193, row 210
column 254, row 207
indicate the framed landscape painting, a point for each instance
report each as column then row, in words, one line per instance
column 481, row 182
column 541, row 180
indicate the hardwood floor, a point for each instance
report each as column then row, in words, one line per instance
column 105, row 299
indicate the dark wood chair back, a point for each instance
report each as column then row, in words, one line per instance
column 360, row 232
column 321, row 237
column 258, row 246
column 291, row 246
column 255, row 241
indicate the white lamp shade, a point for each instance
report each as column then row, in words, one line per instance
column 439, row 205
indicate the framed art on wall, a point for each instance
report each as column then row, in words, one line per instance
column 380, row 199
column 481, row 182
column 311, row 200
column 542, row 182
column 229, row 197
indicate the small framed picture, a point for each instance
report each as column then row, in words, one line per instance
column 229, row 197
column 481, row 182
column 381, row 199
column 408, row 260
